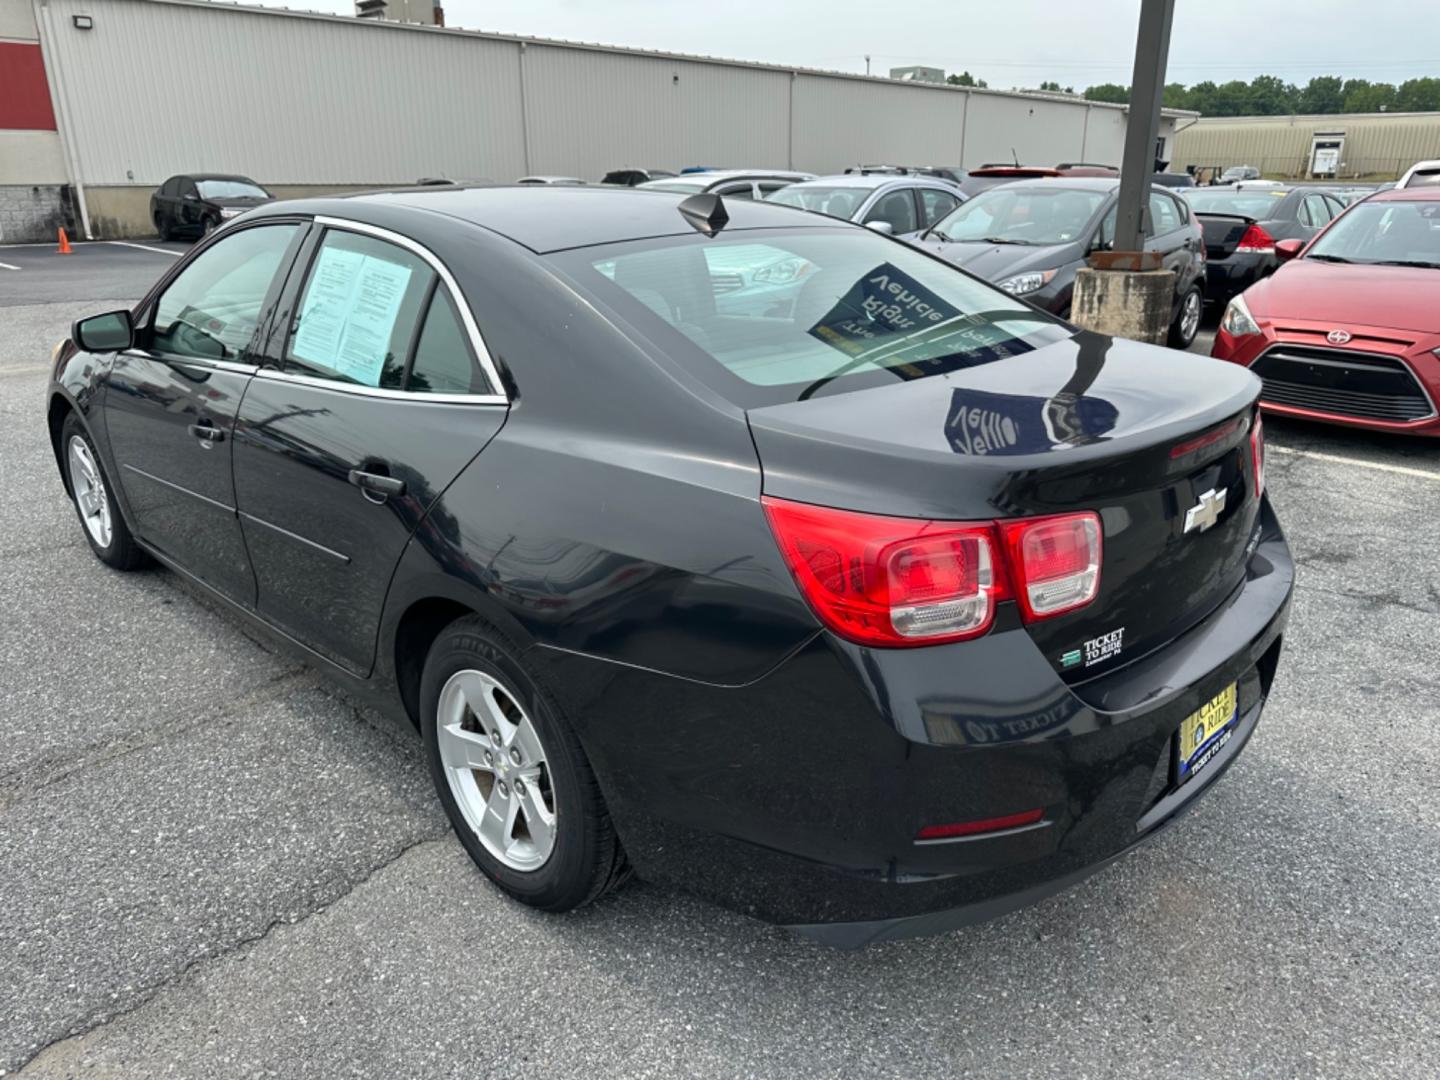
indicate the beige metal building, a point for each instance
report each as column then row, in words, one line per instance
column 304, row 103
column 1372, row 146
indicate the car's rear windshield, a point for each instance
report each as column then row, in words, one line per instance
column 839, row 202
column 771, row 316
column 1256, row 204
column 231, row 189
column 1398, row 233
column 1424, row 178
column 1023, row 215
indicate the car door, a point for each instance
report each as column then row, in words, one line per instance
column 1167, row 233
column 377, row 390
column 170, row 402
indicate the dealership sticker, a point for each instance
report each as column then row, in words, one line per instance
column 1096, row 650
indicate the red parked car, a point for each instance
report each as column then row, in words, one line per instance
column 1348, row 331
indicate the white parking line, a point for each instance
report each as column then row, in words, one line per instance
column 1402, row 470
column 7, row 266
column 142, row 247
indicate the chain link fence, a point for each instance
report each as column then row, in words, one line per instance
column 1365, row 170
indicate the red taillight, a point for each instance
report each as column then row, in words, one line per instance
column 905, row 581
column 1055, row 561
column 975, row 828
column 1257, row 454
column 889, row 581
column 1256, row 240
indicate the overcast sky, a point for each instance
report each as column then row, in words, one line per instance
column 1006, row 42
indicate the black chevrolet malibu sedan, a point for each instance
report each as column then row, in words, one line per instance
column 871, row 601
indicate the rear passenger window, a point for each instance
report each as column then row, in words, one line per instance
column 443, row 361
column 358, row 312
column 1164, row 214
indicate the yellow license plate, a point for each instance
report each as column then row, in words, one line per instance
column 1205, row 731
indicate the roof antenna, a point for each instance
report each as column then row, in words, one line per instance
column 1015, row 156
column 705, row 213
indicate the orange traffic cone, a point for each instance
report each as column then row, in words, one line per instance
column 64, row 248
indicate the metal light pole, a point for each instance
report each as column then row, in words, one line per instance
column 1147, row 86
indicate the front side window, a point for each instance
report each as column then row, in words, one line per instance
column 897, row 209
column 806, row 312
column 210, row 311
column 1023, row 215
column 357, row 315
column 937, row 204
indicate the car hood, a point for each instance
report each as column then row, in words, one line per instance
column 1397, row 297
column 996, row 262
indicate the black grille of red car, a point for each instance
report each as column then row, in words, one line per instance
column 1364, row 386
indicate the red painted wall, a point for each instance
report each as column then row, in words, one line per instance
column 24, row 94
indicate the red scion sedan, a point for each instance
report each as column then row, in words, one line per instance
column 1348, row 330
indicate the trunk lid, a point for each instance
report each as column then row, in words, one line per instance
column 1091, row 423
column 1223, row 233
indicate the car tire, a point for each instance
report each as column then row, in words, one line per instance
column 100, row 519
column 1187, row 319
column 480, row 707
column 162, row 227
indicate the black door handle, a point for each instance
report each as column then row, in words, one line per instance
column 374, row 483
column 208, row 434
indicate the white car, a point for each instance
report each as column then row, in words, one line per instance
column 1421, row 174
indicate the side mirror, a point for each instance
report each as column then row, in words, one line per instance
column 110, row 332
column 884, row 228
column 1285, row 250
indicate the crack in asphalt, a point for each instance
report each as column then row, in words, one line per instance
column 37, row 775
column 99, row 1019
column 1377, row 601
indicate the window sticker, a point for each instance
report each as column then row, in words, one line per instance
column 349, row 314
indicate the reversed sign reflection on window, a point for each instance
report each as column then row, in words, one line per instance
column 889, row 318
column 349, row 314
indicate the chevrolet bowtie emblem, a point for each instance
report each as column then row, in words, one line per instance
column 1206, row 512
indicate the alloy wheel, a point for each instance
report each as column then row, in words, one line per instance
column 90, row 494
column 1190, row 317
column 497, row 769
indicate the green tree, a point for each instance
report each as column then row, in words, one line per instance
column 1418, row 95
column 1323, row 94
column 1111, row 92
column 966, row 79
column 1176, row 96
column 1270, row 96
column 1361, row 95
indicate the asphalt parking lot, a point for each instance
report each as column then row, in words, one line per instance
column 212, row 863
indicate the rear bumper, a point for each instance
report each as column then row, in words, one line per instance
column 1235, row 273
column 798, row 798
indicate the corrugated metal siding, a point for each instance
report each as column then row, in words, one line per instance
column 840, row 122
column 1373, row 144
column 156, row 89
column 590, row 112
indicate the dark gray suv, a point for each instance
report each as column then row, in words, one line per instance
column 1031, row 236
